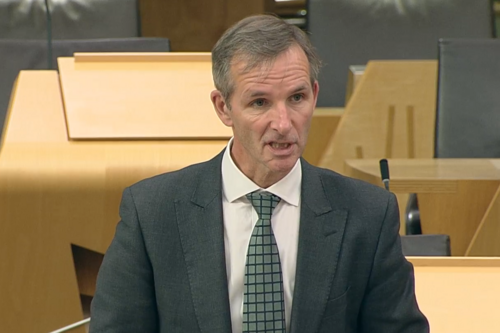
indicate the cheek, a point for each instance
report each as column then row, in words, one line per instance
column 303, row 124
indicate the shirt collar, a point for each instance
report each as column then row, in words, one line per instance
column 236, row 185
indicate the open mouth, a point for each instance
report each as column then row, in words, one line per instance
column 277, row 145
column 282, row 149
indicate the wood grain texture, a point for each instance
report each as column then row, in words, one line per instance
column 165, row 98
column 365, row 121
column 454, row 194
column 457, row 214
column 353, row 78
column 55, row 193
column 324, row 123
column 458, row 295
column 487, row 236
column 193, row 25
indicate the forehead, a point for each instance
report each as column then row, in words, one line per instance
column 291, row 63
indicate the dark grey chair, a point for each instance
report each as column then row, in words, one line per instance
column 426, row 245
column 352, row 32
column 71, row 19
column 468, row 105
column 17, row 55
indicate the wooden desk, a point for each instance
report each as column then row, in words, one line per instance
column 458, row 197
column 323, row 127
column 458, row 295
column 56, row 194
column 59, row 195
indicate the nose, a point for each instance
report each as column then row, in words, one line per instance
column 281, row 121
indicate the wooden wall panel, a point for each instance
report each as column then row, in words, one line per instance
column 193, row 25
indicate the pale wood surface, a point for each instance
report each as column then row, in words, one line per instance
column 457, row 214
column 323, row 126
column 167, row 97
column 486, row 238
column 353, row 77
column 454, row 196
column 364, row 125
column 155, row 58
column 440, row 173
column 55, row 192
column 38, row 108
column 458, row 295
column 376, row 120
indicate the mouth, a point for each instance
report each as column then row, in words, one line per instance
column 281, row 148
column 280, row 145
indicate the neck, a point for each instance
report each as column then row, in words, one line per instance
column 266, row 180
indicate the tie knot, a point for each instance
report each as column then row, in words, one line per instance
column 264, row 203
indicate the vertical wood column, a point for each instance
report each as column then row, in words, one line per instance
column 193, row 25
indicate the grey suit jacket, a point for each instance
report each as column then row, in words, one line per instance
column 165, row 270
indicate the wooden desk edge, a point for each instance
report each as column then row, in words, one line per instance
column 455, row 261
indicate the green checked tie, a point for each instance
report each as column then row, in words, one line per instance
column 263, row 298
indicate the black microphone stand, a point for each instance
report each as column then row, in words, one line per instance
column 49, row 34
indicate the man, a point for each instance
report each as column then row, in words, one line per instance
column 256, row 239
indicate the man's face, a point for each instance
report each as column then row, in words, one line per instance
column 271, row 110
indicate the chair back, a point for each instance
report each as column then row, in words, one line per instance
column 426, row 245
column 71, row 19
column 352, row 32
column 468, row 102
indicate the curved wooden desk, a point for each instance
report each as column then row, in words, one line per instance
column 59, row 202
column 458, row 197
column 458, row 295
column 61, row 175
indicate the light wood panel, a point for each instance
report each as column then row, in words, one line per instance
column 323, row 126
column 160, row 96
column 486, row 238
column 44, row 126
column 54, row 193
column 377, row 122
column 353, row 77
column 454, row 195
column 194, row 25
column 458, row 295
column 367, row 128
column 457, row 214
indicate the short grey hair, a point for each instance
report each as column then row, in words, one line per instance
column 257, row 40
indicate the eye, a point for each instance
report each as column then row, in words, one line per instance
column 259, row 103
column 297, row 97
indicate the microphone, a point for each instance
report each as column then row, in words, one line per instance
column 49, row 34
column 384, row 172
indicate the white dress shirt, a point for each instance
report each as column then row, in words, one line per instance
column 239, row 220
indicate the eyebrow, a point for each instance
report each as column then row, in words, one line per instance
column 300, row 89
column 259, row 93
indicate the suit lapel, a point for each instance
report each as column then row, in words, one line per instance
column 320, row 237
column 200, row 223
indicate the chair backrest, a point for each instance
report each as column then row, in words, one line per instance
column 468, row 102
column 352, row 32
column 71, row 19
column 17, row 55
column 426, row 245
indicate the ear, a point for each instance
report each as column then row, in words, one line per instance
column 315, row 91
column 221, row 108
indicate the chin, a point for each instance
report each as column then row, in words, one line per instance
column 283, row 166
